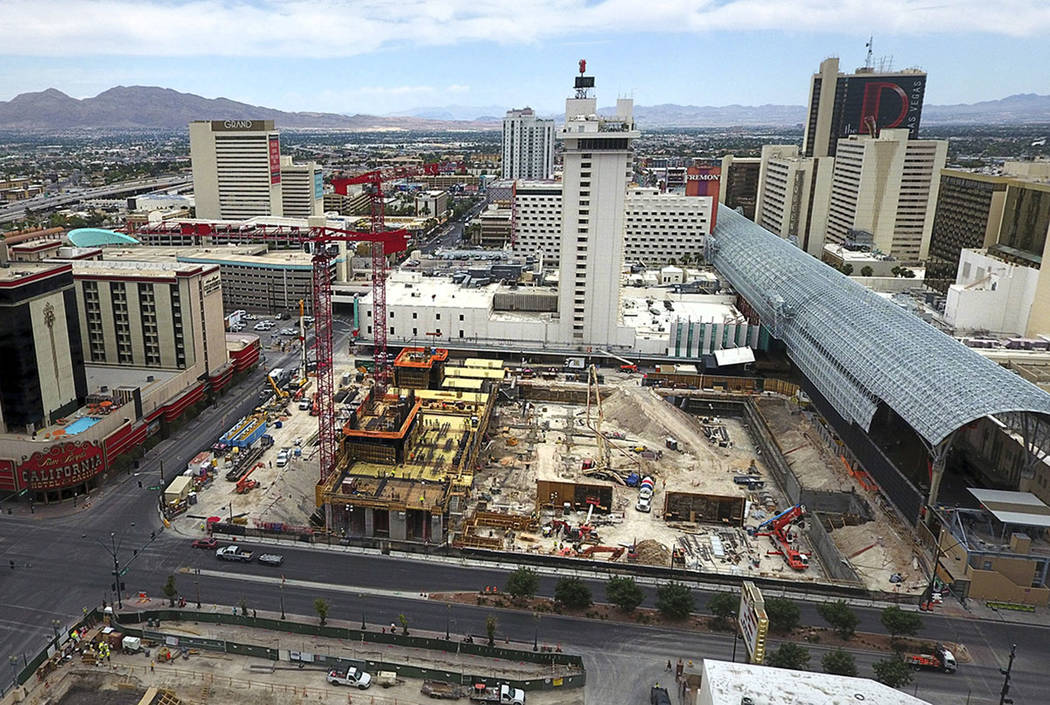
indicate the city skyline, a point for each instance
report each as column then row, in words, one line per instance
column 383, row 58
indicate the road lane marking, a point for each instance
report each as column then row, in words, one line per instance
column 311, row 584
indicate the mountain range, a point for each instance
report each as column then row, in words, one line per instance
column 151, row 107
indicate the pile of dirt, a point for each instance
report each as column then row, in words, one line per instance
column 652, row 552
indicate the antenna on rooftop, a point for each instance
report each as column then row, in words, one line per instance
column 867, row 62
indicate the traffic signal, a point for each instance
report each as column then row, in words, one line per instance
column 122, row 588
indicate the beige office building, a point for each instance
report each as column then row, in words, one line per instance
column 150, row 314
column 236, row 169
column 793, row 196
column 302, row 189
column 886, row 188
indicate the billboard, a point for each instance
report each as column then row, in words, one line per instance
column 752, row 620
column 275, row 159
column 318, row 185
column 888, row 101
column 704, row 181
column 63, row 465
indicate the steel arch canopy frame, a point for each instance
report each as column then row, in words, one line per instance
column 858, row 348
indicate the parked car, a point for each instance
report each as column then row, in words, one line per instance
column 261, row 326
column 209, row 542
column 271, row 559
column 645, row 504
column 282, row 457
column 305, row 405
column 289, row 331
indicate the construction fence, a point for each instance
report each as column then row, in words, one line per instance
column 565, row 670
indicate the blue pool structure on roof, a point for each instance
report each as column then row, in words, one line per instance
column 99, row 237
column 81, row 425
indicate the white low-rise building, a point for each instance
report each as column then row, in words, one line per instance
column 991, row 295
column 724, row 683
column 657, row 321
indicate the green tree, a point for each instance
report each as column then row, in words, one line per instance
column 840, row 616
column 403, row 621
column 724, row 606
column 674, row 600
column 899, row 622
column 490, row 629
column 170, row 591
column 896, row 271
column 892, row 671
column 523, row 583
column 624, row 593
column 572, row 593
column 866, row 271
column 783, row 614
column 244, row 607
column 321, row 607
column 840, row 663
column 789, row 655
column 847, row 269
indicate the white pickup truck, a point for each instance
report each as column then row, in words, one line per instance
column 233, row 553
column 353, row 676
column 502, row 694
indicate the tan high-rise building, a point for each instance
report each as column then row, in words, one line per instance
column 302, row 189
column 843, row 104
column 885, row 189
column 151, row 314
column 236, row 169
column 793, row 195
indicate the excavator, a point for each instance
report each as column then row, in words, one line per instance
column 776, row 528
column 245, row 485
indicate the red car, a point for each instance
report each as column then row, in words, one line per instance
column 206, row 543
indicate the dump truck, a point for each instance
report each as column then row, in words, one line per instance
column 940, row 660
column 233, row 553
column 502, row 694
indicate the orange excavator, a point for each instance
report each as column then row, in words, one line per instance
column 245, row 484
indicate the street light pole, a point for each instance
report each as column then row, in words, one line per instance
column 536, row 635
column 197, row 584
column 448, row 621
column 282, row 597
column 116, row 569
column 1003, row 700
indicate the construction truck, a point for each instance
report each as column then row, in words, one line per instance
column 778, row 529
column 233, row 553
column 940, row 660
column 502, row 694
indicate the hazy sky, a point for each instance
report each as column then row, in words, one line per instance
column 377, row 57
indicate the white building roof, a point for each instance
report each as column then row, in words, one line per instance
column 1022, row 508
column 734, row 356
column 729, row 683
column 413, row 289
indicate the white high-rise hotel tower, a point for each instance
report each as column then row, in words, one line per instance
column 596, row 169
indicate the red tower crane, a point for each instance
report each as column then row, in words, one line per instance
column 373, row 186
column 319, row 242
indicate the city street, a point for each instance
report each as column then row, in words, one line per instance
column 60, row 569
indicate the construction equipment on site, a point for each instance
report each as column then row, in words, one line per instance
column 593, row 392
column 614, row 551
column 372, row 182
column 281, row 394
column 940, row 660
column 302, row 343
column 777, row 528
column 321, row 243
column 246, row 484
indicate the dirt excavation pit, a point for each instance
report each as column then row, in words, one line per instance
column 538, row 445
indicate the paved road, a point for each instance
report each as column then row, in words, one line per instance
column 60, row 569
column 16, row 211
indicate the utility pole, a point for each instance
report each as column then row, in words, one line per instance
column 116, row 569
column 1003, row 700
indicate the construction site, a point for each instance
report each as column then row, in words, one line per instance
column 614, row 471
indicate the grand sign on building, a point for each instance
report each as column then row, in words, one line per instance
column 62, row 465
